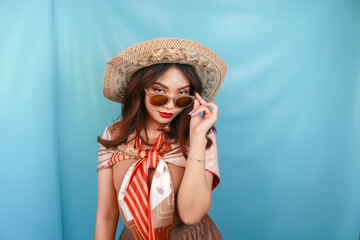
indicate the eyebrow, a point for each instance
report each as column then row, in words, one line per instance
column 168, row 88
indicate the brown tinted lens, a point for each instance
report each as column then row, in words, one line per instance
column 158, row 100
column 184, row 101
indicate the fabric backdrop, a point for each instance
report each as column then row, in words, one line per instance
column 288, row 122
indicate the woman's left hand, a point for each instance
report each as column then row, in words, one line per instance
column 201, row 124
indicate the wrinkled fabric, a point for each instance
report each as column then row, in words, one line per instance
column 204, row 230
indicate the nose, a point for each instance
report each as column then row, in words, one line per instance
column 170, row 104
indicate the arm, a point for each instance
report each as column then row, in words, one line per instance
column 107, row 213
column 194, row 196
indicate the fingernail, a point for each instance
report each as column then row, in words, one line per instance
column 193, row 114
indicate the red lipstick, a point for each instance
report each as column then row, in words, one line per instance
column 166, row 115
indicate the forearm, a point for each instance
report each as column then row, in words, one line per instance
column 194, row 196
column 105, row 228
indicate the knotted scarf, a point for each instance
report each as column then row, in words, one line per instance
column 138, row 204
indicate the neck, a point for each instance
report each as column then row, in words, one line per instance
column 152, row 128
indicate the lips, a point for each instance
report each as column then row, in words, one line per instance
column 166, row 115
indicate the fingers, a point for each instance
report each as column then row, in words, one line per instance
column 202, row 101
column 196, row 104
column 201, row 105
column 202, row 108
column 214, row 108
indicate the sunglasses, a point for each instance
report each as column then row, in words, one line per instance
column 160, row 99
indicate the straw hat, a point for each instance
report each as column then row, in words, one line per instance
column 207, row 64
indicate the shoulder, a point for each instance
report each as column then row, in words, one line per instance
column 112, row 131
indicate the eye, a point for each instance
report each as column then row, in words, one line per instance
column 157, row 89
column 184, row 92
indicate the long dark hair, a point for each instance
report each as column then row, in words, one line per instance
column 134, row 111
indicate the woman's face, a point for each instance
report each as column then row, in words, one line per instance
column 173, row 83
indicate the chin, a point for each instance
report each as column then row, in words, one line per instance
column 165, row 120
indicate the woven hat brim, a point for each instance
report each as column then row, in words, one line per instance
column 208, row 65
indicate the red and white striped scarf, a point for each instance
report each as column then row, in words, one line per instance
column 138, row 204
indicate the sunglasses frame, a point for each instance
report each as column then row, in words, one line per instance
column 169, row 98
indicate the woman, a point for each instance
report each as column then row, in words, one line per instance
column 158, row 165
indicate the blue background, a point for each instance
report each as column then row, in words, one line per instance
column 288, row 122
